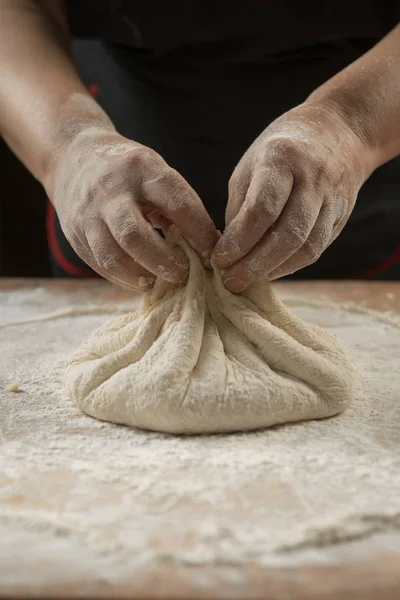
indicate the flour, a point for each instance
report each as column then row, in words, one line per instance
column 92, row 309
column 71, row 481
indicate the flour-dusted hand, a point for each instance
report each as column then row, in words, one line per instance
column 290, row 195
column 108, row 192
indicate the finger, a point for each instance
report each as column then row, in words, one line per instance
column 110, row 261
column 318, row 240
column 288, row 235
column 141, row 242
column 77, row 238
column 238, row 185
column 266, row 197
column 176, row 200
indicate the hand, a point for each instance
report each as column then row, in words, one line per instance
column 108, row 192
column 290, row 195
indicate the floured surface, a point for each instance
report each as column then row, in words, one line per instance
column 144, row 497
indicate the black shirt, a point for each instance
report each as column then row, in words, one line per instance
column 198, row 81
column 233, row 31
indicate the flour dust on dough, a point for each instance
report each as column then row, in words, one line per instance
column 199, row 359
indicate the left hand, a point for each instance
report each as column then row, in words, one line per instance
column 290, row 195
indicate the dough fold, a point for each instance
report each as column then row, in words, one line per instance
column 198, row 359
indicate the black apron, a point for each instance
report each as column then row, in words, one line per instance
column 199, row 81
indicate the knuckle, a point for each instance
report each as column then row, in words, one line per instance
column 322, row 175
column 273, row 185
column 171, row 179
column 284, row 149
column 127, row 232
column 176, row 192
column 144, row 163
column 106, row 182
column 141, row 155
column 319, row 175
column 109, row 185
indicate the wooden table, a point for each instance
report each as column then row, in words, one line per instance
column 378, row 295
column 367, row 569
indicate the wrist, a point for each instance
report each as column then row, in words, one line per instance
column 355, row 118
column 80, row 118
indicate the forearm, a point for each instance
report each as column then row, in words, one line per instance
column 367, row 95
column 43, row 102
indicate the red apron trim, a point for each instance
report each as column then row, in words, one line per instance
column 379, row 269
column 94, row 90
column 63, row 262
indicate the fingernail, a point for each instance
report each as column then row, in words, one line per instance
column 234, row 284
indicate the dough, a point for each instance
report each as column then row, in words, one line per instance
column 198, row 359
column 14, row 387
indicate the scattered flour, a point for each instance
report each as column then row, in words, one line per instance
column 218, row 499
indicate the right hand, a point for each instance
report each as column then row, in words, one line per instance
column 108, row 192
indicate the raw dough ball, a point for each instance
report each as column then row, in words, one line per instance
column 198, row 359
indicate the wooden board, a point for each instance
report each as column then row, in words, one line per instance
column 367, row 568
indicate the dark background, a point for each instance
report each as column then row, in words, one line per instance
column 23, row 243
